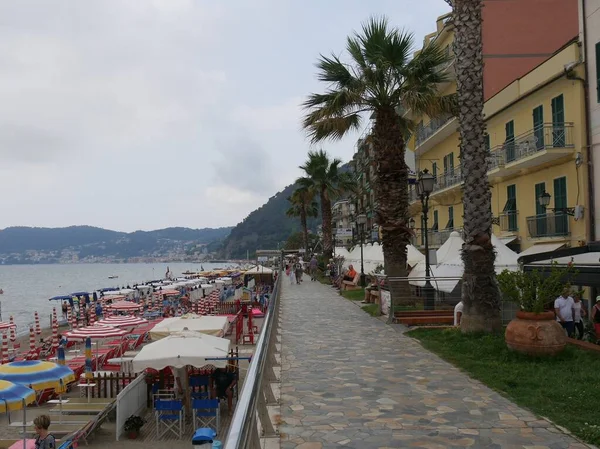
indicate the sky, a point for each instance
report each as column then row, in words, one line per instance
column 145, row 114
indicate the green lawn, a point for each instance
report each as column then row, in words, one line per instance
column 565, row 389
column 354, row 295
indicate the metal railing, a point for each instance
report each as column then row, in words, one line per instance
column 548, row 225
column 452, row 177
column 435, row 238
column 509, row 221
column 431, row 128
column 549, row 136
column 256, row 393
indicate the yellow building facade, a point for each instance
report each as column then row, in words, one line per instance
column 536, row 138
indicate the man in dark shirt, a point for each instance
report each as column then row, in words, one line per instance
column 224, row 382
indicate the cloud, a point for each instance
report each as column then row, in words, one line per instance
column 135, row 114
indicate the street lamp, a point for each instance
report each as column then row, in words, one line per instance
column 424, row 187
column 333, row 234
column 544, row 199
column 361, row 221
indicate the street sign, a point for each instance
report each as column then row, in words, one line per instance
column 343, row 232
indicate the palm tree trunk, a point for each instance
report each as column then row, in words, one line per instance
column 391, row 198
column 304, row 227
column 326, row 225
column 479, row 288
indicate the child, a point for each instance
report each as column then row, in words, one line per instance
column 43, row 440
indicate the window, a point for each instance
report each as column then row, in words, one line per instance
column 487, row 142
column 540, row 212
column 510, row 208
column 434, row 169
column 558, row 122
column 538, row 127
column 435, row 226
column 598, row 72
column 450, row 224
column 449, row 164
column 509, row 142
column 560, row 203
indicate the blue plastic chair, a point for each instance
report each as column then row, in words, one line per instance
column 205, row 413
column 170, row 414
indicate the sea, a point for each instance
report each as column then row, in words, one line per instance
column 27, row 288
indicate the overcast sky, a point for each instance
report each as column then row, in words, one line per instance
column 143, row 114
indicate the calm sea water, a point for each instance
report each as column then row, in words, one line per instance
column 28, row 287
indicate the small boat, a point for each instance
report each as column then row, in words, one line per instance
column 113, row 277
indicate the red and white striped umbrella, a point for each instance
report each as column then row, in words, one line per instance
column 31, row 340
column 5, row 348
column 74, row 322
column 122, row 321
column 123, row 306
column 92, row 315
column 38, row 329
column 5, row 326
column 97, row 331
column 13, row 333
column 54, row 317
column 54, row 334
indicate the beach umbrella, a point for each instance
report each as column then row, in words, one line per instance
column 74, row 320
column 96, row 332
column 54, row 316
column 124, row 306
column 31, row 341
column 37, row 374
column 4, row 326
column 5, row 358
column 123, row 321
column 95, row 296
column 60, row 356
column 16, row 397
column 89, row 371
column 54, row 335
column 13, row 334
column 38, row 329
column 69, row 314
column 92, row 315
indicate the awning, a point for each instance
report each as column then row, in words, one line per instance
column 507, row 240
column 541, row 248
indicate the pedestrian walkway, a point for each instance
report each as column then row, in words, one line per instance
column 349, row 379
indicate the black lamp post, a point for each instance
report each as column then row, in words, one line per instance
column 424, row 187
column 361, row 221
column 334, row 235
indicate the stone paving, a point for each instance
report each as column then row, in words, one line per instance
column 350, row 380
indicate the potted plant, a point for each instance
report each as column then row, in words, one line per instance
column 535, row 330
column 132, row 426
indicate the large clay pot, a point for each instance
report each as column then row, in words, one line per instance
column 535, row 334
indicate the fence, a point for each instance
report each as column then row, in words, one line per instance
column 133, row 400
column 256, row 393
column 108, row 385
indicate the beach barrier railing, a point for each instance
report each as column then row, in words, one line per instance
column 256, row 394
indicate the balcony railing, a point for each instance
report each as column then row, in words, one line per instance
column 548, row 225
column 431, row 128
column 549, row 136
column 450, row 178
column 508, row 221
column 435, row 238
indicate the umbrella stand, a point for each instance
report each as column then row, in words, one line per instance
column 24, row 425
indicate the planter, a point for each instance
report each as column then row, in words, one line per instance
column 535, row 334
column 132, row 434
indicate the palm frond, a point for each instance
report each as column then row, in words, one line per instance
column 333, row 127
column 331, row 104
column 332, row 70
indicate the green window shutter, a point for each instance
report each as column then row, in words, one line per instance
column 539, row 190
column 598, row 72
column 434, row 169
column 561, row 219
column 445, row 164
column 558, row 122
column 509, row 142
column 451, row 159
column 538, row 127
column 434, row 227
column 487, row 142
column 450, row 224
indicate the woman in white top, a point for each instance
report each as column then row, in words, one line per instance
column 578, row 314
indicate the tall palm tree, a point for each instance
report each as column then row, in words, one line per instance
column 383, row 80
column 302, row 205
column 324, row 176
column 480, row 292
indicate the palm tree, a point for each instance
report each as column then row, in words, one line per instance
column 480, row 292
column 302, row 205
column 324, row 176
column 382, row 81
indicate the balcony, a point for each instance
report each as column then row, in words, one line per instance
column 508, row 221
column 434, row 132
column 451, row 178
column 436, row 238
column 546, row 143
column 548, row 225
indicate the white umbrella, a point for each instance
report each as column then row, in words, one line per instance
column 182, row 349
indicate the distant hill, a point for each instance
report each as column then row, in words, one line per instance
column 267, row 226
column 88, row 243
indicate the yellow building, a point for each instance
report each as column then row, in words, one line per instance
column 537, row 139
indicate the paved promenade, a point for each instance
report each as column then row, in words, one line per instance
column 350, row 380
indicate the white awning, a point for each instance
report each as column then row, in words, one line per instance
column 541, row 248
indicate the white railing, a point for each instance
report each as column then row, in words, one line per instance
column 133, row 400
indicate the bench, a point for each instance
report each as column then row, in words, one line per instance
column 351, row 285
column 425, row 317
column 584, row 345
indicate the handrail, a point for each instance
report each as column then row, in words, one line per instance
column 243, row 422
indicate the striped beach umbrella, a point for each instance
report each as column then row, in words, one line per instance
column 89, row 371
column 54, row 316
column 122, row 321
column 92, row 315
column 69, row 315
column 60, row 356
column 38, row 329
column 124, row 306
column 37, row 374
column 13, row 327
column 31, row 341
column 5, row 326
column 54, row 335
column 96, row 332
column 74, row 320
column 5, row 348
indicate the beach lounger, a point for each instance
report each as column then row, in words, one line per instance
column 60, row 428
column 85, row 400
column 79, row 408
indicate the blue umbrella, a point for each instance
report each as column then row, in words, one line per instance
column 16, row 397
column 79, row 294
column 60, row 298
column 37, row 374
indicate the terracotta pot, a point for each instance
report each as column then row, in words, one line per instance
column 535, row 334
column 132, row 435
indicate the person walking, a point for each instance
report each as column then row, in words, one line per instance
column 578, row 314
column 313, row 268
column 299, row 272
column 564, row 309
